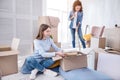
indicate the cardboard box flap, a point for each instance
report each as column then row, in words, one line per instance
column 8, row 53
column 5, row 48
column 15, row 43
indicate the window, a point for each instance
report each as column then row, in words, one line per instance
column 60, row 8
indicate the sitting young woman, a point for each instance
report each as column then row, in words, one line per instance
column 41, row 60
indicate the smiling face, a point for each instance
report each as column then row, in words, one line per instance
column 44, row 32
column 77, row 8
column 47, row 33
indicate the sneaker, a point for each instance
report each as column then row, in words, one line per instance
column 50, row 73
column 33, row 74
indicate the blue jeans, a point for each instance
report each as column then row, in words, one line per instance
column 80, row 37
column 31, row 63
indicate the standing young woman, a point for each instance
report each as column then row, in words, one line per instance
column 76, row 16
column 41, row 59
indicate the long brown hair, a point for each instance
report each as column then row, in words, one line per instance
column 77, row 3
column 42, row 28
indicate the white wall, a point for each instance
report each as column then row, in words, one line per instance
column 101, row 12
column 18, row 18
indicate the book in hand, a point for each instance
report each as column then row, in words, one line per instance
column 56, row 58
column 68, row 52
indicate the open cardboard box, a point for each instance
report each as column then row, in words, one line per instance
column 8, row 58
column 73, row 60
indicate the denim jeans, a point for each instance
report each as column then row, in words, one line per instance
column 31, row 63
column 79, row 35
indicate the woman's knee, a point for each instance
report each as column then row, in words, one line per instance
column 29, row 59
column 26, row 67
column 51, row 61
column 48, row 63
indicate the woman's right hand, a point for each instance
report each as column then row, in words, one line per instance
column 60, row 54
column 72, row 16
